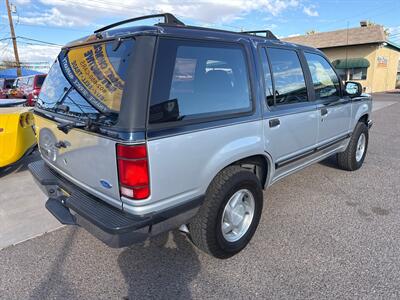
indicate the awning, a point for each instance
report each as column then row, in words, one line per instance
column 351, row 63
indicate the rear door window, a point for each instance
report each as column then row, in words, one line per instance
column 197, row 80
column 269, row 93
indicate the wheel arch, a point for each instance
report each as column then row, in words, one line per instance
column 364, row 118
column 259, row 164
column 362, row 113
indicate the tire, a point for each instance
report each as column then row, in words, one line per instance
column 206, row 227
column 349, row 160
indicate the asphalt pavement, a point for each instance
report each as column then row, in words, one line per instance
column 324, row 233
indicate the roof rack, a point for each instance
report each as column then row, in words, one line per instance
column 169, row 19
column 268, row 33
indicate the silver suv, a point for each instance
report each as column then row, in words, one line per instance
column 145, row 129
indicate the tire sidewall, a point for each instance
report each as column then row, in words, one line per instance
column 360, row 129
column 236, row 185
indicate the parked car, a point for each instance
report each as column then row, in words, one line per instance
column 5, row 85
column 16, row 92
column 17, row 135
column 31, row 88
column 151, row 128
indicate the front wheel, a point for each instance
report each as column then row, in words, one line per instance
column 230, row 213
column 353, row 157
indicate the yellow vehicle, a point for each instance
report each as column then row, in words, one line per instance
column 17, row 134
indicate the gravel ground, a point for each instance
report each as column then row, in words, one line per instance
column 324, row 233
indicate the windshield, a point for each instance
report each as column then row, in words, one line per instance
column 88, row 80
column 8, row 83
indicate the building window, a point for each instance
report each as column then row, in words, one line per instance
column 342, row 74
column 352, row 74
column 352, row 68
column 357, row 73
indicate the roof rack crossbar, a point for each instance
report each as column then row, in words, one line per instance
column 268, row 33
column 169, row 19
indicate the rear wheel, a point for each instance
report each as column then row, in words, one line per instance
column 353, row 157
column 230, row 213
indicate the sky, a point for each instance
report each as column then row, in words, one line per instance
column 60, row 21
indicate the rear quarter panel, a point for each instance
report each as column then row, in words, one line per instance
column 183, row 166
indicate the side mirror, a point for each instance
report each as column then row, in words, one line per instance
column 353, row 89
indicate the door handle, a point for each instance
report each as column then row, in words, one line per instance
column 324, row 111
column 274, row 122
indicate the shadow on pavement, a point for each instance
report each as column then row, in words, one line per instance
column 21, row 165
column 330, row 162
column 54, row 282
column 162, row 267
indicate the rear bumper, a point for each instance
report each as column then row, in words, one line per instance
column 73, row 206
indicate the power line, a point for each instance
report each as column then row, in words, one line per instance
column 39, row 41
column 37, row 44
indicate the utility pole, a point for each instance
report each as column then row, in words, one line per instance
column 14, row 40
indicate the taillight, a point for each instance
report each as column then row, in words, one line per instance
column 26, row 119
column 133, row 171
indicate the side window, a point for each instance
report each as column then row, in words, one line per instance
column 290, row 86
column 195, row 80
column 30, row 81
column 325, row 80
column 269, row 94
column 358, row 73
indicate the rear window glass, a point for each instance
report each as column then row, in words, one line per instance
column 195, row 79
column 8, row 83
column 88, row 79
column 39, row 81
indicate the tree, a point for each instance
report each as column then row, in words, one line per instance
column 372, row 23
column 7, row 64
column 310, row 32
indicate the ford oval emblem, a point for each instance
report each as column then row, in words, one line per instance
column 105, row 184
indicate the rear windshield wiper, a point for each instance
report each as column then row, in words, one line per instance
column 67, row 126
column 88, row 124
